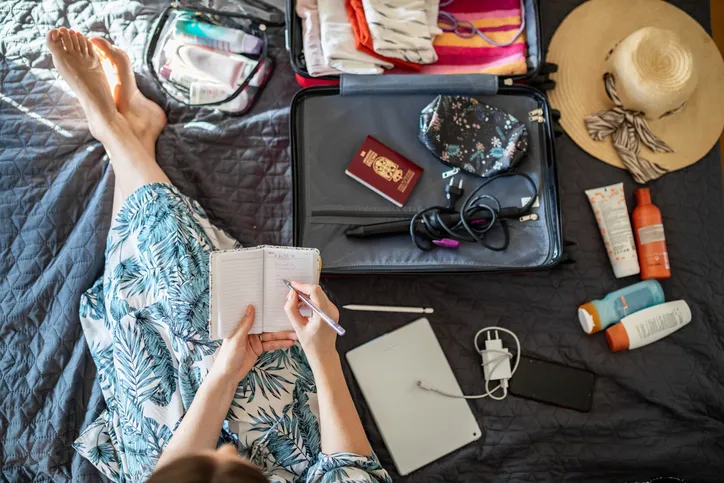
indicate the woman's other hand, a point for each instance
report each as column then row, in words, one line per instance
column 339, row 424
column 239, row 353
column 317, row 338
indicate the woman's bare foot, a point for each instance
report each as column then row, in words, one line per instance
column 146, row 118
column 131, row 148
column 79, row 65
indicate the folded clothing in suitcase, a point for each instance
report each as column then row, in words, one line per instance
column 294, row 44
column 328, row 126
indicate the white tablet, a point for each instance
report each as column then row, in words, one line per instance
column 418, row 426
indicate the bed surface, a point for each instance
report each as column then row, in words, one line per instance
column 657, row 411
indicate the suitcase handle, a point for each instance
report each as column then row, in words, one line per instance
column 463, row 84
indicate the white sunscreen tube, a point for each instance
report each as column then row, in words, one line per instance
column 648, row 325
column 204, row 93
column 227, row 69
column 609, row 207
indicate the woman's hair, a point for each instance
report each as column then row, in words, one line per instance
column 205, row 469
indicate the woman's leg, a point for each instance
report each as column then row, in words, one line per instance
column 146, row 320
column 145, row 117
column 80, row 65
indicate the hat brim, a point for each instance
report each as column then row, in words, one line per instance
column 580, row 46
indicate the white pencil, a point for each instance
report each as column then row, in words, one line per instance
column 389, row 308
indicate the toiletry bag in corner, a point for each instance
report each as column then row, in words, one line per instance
column 204, row 57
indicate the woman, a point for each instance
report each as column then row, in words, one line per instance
column 172, row 394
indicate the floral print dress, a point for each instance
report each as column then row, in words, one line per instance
column 145, row 321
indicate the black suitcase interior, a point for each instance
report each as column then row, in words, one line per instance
column 329, row 125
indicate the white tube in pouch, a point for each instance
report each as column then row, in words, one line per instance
column 179, row 74
column 609, row 208
column 203, row 93
column 207, row 92
column 226, row 69
column 648, row 325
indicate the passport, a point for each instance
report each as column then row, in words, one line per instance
column 384, row 171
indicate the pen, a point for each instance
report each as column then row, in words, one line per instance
column 389, row 308
column 329, row 320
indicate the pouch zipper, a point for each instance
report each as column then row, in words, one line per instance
column 263, row 6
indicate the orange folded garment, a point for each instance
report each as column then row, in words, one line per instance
column 356, row 14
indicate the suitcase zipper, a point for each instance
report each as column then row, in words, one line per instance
column 362, row 214
column 536, row 115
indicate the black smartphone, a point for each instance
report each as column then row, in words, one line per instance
column 553, row 383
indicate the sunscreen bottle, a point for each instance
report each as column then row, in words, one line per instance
column 650, row 239
column 597, row 315
column 609, row 208
column 648, row 325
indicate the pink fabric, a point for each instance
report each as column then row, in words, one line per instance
column 466, row 69
column 459, row 58
column 493, row 14
column 471, row 56
column 482, row 5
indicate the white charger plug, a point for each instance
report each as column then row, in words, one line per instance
column 496, row 361
column 496, row 366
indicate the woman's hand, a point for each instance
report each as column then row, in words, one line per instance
column 340, row 426
column 239, row 353
column 317, row 338
column 200, row 428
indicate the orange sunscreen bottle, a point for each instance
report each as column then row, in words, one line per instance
column 650, row 240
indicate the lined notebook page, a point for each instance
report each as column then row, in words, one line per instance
column 290, row 264
column 237, row 283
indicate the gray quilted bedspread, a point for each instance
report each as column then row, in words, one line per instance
column 657, row 410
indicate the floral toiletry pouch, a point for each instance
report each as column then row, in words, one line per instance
column 474, row 137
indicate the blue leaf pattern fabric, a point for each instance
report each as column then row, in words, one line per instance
column 145, row 321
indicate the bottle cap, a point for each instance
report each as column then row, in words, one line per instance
column 165, row 71
column 617, row 338
column 251, row 44
column 589, row 318
column 643, row 196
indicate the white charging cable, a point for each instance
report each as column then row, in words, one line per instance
column 500, row 369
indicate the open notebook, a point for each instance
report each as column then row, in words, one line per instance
column 254, row 276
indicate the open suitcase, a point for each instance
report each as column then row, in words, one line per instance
column 328, row 126
column 329, row 123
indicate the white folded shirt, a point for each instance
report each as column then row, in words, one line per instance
column 308, row 11
column 403, row 29
column 339, row 43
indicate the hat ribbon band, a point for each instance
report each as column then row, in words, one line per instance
column 628, row 130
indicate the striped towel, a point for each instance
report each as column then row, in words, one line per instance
column 499, row 20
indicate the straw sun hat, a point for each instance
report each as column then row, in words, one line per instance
column 640, row 85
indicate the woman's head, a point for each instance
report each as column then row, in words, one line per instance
column 223, row 465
